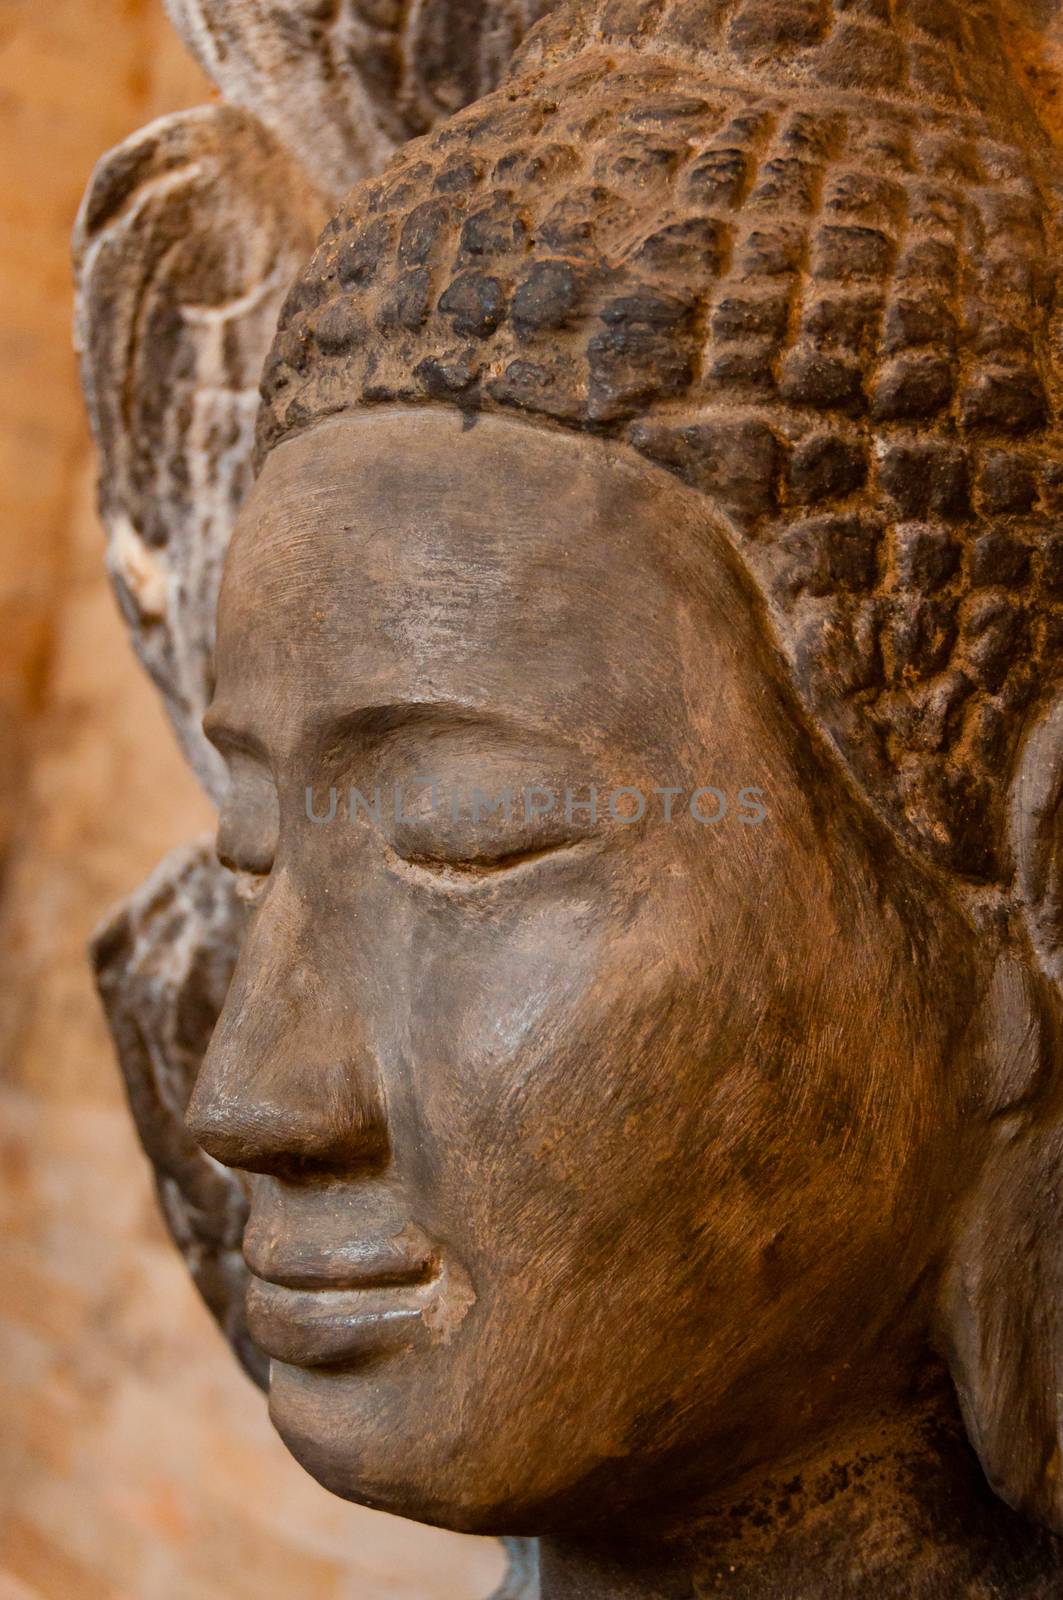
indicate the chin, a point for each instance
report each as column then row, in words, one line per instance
column 363, row 1450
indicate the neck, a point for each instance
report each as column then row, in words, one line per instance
column 900, row 1510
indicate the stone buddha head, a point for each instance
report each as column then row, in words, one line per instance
column 638, row 670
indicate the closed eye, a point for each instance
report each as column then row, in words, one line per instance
column 479, row 868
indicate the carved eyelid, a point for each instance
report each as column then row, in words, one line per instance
column 477, row 869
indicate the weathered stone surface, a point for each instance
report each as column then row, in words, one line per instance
column 807, row 306
column 188, row 239
column 342, row 85
column 817, row 283
column 136, row 1459
column 163, row 963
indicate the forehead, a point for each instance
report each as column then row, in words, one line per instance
column 403, row 557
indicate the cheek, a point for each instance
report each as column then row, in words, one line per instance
column 553, row 1080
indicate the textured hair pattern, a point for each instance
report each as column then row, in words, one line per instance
column 834, row 314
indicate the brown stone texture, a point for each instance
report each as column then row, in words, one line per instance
column 341, row 84
column 834, row 313
column 135, row 1459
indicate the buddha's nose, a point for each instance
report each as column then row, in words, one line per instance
column 288, row 1085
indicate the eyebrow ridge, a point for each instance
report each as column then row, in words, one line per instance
column 373, row 723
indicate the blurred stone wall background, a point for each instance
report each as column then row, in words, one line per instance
column 136, row 1463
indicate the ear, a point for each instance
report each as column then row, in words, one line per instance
column 1001, row 1309
column 186, row 243
column 340, row 92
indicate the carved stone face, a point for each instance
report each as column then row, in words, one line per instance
column 589, row 1159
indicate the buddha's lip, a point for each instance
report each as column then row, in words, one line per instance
column 405, row 1258
column 327, row 1327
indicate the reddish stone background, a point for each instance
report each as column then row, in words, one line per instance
column 136, row 1463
